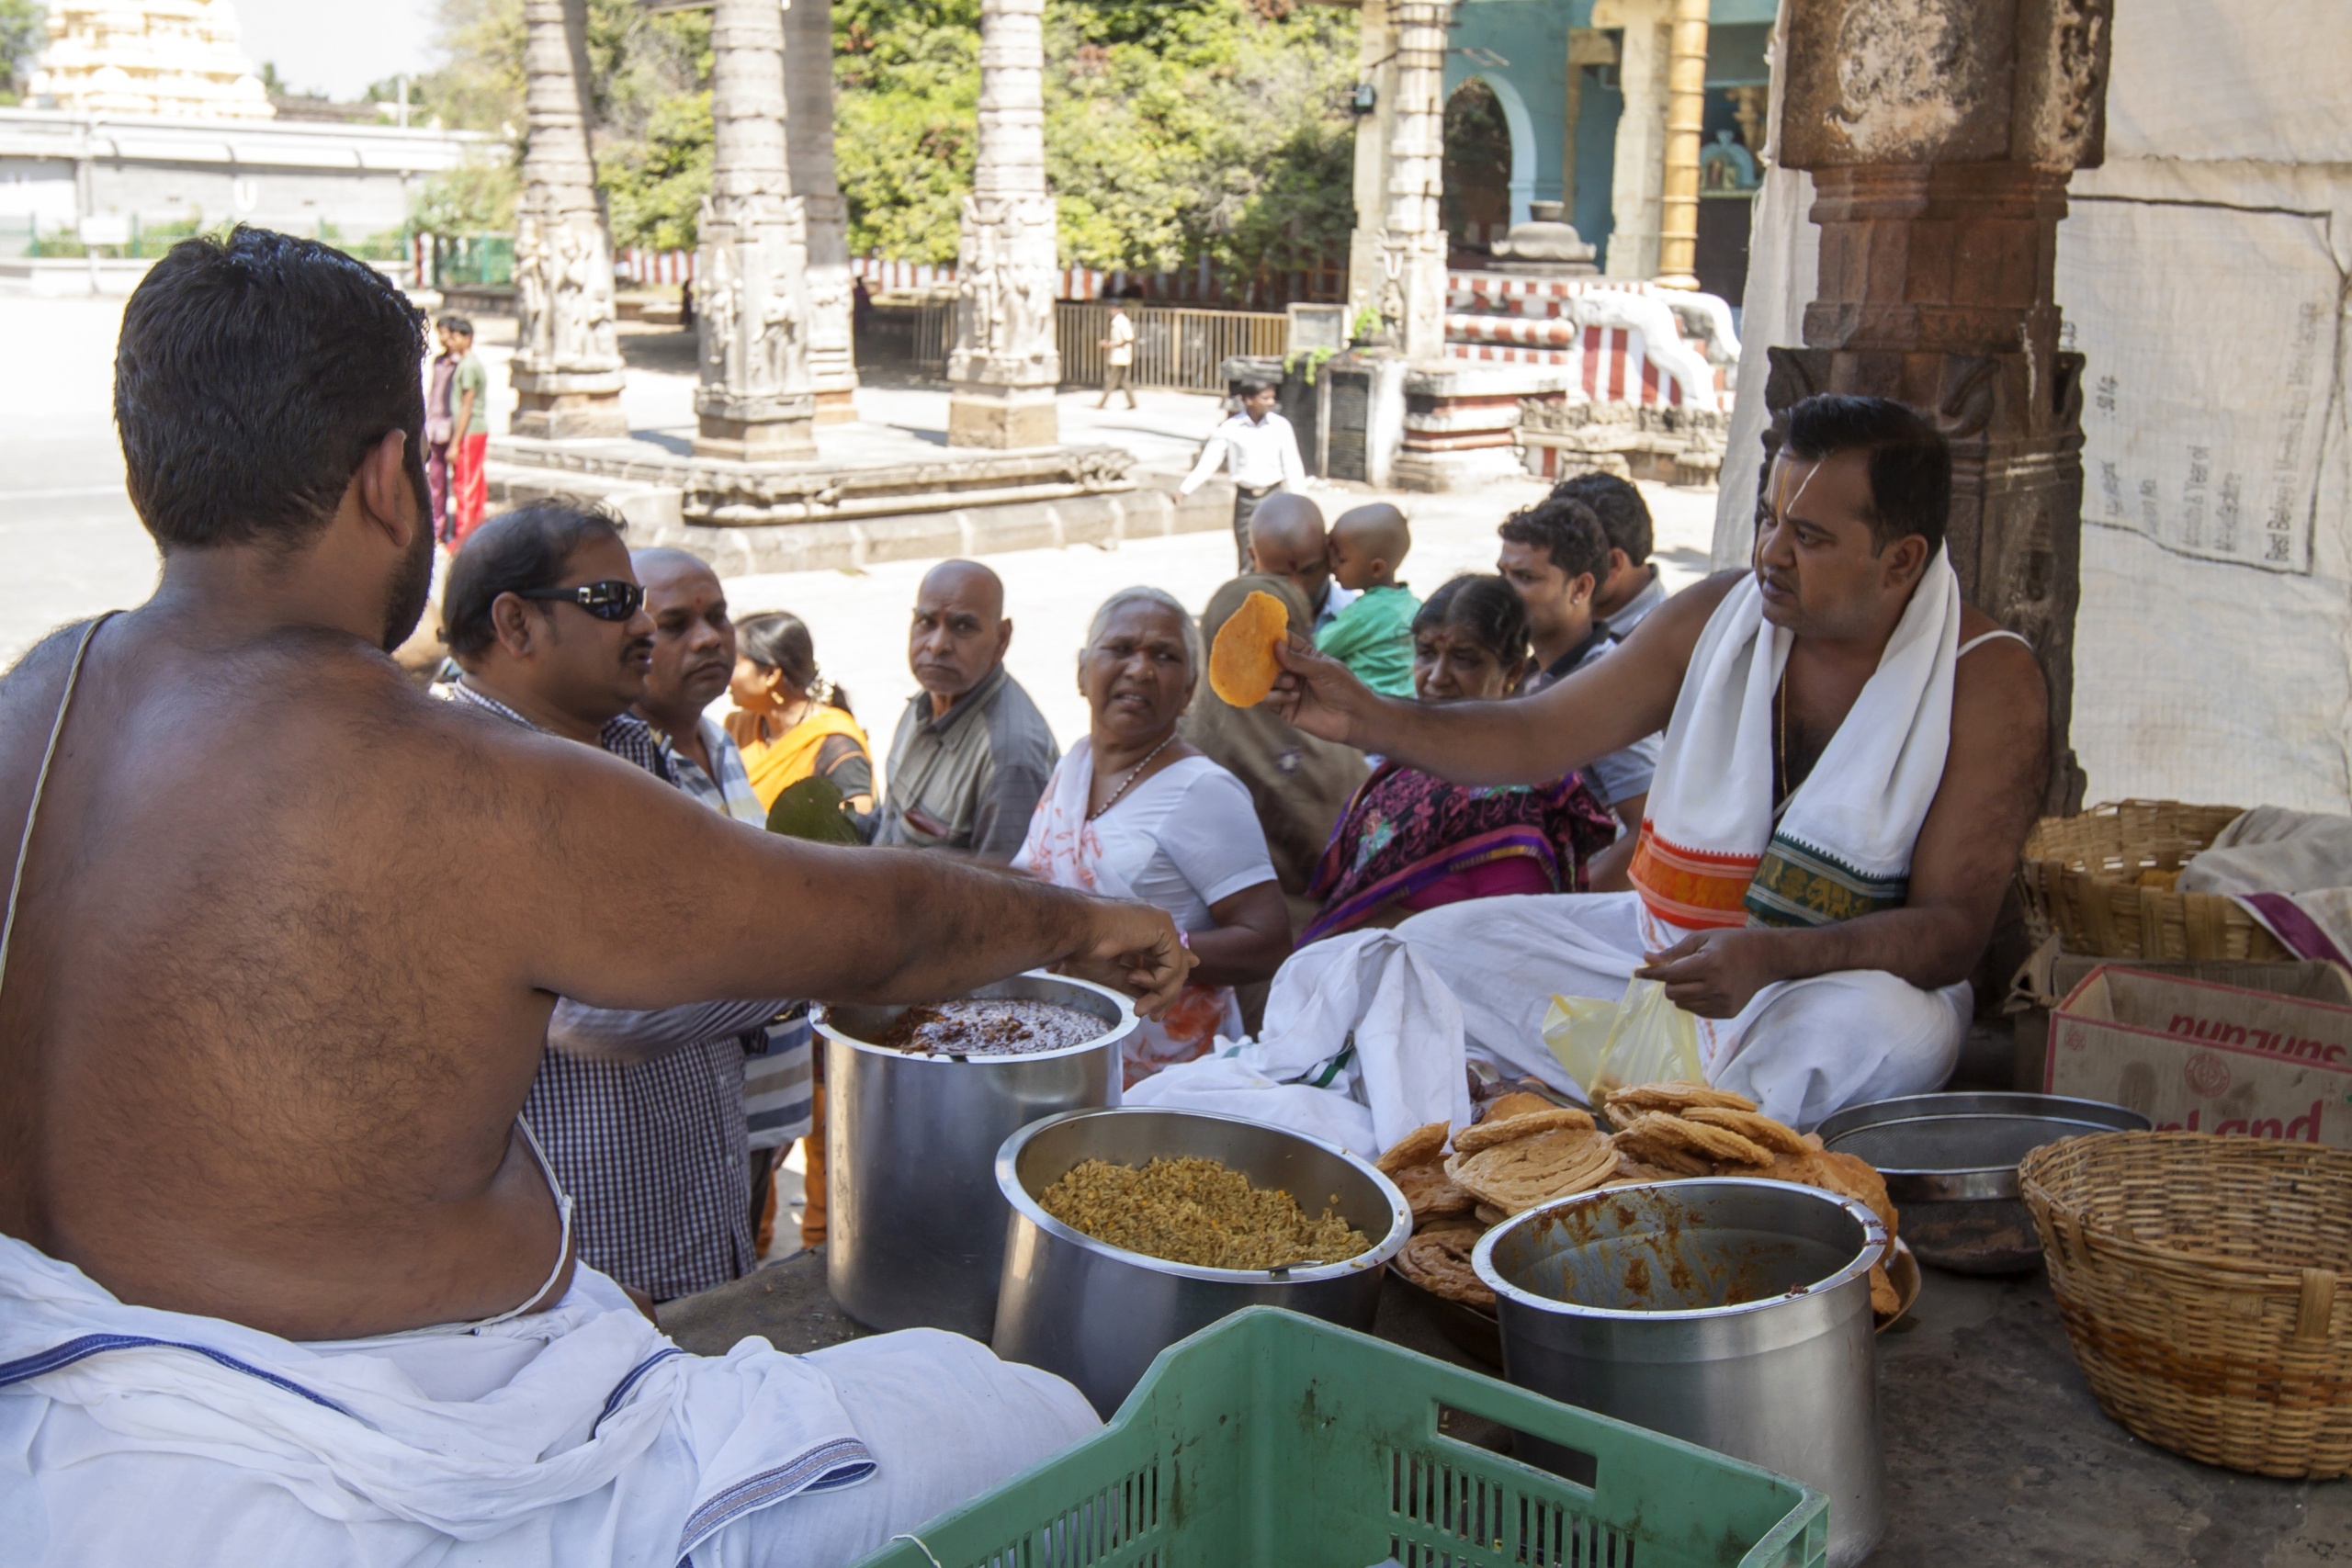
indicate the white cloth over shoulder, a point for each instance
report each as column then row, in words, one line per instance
column 578, row 1435
column 1367, row 991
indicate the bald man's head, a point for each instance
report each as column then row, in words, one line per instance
column 693, row 640
column 1287, row 540
column 960, row 631
column 1368, row 543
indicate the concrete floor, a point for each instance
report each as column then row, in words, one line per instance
column 1995, row 1451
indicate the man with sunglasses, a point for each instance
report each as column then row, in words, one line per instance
column 641, row 1112
column 312, row 980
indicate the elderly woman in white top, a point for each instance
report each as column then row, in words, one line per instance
column 1134, row 812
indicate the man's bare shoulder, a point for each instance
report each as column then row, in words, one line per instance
column 2000, row 682
column 1669, row 632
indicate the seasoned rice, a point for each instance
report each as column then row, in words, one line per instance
column 1196, row 1211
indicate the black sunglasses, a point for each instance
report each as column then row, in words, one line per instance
column 611, row 600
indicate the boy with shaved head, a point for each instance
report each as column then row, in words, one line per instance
column 1373, row 636
column 1287, row 540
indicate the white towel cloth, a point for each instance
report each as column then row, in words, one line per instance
column 2290, row 870
column 1367, row 989
column 1712, row 853
column 576, row 1436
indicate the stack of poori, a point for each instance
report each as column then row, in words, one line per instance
column 1525, row 1150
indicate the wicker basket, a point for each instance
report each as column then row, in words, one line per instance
column 2081, row 876
column 2197, row 1277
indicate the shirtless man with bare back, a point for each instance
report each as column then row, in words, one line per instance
column 1853, row 759
column 282, row 953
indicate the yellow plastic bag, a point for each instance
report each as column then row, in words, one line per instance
column 1642, row 1039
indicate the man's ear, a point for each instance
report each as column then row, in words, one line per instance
column 1003, row 636
column 1906, row 559
column 388, row 498
column 1619, row 562
column 510, row 619
column 1582, row 587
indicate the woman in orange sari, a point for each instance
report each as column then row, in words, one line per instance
column 791, row 722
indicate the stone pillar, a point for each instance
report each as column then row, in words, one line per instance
column 1412, row 241
column 1637, row 179
column 1004, row 367
column 1685, row 116
column 808, row 140
column 567, row 368
column 1375, row 67
column 754, row 404
column 1939, row 134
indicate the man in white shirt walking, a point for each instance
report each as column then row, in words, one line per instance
column 1119, row 346
column 1262, row 453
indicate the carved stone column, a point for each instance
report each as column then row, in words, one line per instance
column 751, row 305
column 567, row 368
column 1376, row 68
column 1004, row 367
column 1941, row 134
column 1637, row 179
column 1412, row 241
column 1685, row 116
column 808, row 140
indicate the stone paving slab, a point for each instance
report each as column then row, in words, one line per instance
column 1996, row 1452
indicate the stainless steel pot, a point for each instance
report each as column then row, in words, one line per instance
column 1097, row 1314
column 1732, row 1313
column 915, row 1232
column 1950, row 1165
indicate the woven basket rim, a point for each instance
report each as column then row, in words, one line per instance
column 2159, row 1253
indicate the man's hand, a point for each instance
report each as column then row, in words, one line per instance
column 1133, row 948
column 1715, row 973
column 1320, row 695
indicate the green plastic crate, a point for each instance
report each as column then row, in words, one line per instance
column 1272, row 1440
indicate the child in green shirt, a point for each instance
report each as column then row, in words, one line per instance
column 1373, row 636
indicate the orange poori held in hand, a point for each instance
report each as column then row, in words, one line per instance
column 1242, row 664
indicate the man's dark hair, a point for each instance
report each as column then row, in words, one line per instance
column 1250, row 385
column 1625, row 516
column 458, row 324
column 253, row 376
column 1910, row 462
column 1487, row 608
column 513, row 553
column 1567, row 529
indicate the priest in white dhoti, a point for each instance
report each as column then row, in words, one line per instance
column 1852, row 760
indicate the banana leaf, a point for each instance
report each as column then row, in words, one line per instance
column 811, row 809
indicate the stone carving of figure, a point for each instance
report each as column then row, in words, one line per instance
column 574, row 326
column 530, row 292
column 714, row 302
column 779, row 325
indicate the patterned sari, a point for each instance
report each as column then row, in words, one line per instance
column 1413, row 839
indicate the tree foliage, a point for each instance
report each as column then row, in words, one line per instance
column 23, row 30
column 1175, row 130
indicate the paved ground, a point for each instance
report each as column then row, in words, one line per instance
column 71, row 544
column 1995, row 1451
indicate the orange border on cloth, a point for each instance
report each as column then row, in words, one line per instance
column 1691, row 888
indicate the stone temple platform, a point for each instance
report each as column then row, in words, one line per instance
column 884, row 488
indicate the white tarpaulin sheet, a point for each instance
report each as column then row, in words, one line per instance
column 2203, row 273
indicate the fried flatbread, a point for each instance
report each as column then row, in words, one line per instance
column 1672, row 1097
column 1519, row 1102
column 1523, row 1172
column 1431, row 1192
column 1419, row 1146
column 1242, row 668
column 1753, row 1126
column 1885, row 1301
column 1846, row 1175
column 1657, row 1137
column 1437, row 1259
column 1489, row 1133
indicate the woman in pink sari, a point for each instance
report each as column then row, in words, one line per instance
column 1131, row 811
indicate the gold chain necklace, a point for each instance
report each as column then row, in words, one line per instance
column 1132, row 775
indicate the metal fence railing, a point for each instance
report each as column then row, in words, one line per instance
column 1175, row 346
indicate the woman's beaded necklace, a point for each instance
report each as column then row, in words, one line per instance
column 1133, row 774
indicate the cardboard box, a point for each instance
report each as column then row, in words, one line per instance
column 2050, row 975
column 2206, row 1059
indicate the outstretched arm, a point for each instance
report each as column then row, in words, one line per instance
column 621, row 893
column 1966, row 854
column 1604, row 707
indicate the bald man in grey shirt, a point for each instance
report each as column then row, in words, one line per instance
column 972, row 753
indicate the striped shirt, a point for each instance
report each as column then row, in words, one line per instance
column 777, row 1068
column 651, row 1152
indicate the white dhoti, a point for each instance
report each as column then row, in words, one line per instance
column 1801, row 1049
column 577, row 1436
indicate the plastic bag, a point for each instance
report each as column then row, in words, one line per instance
column 1643, row 1038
